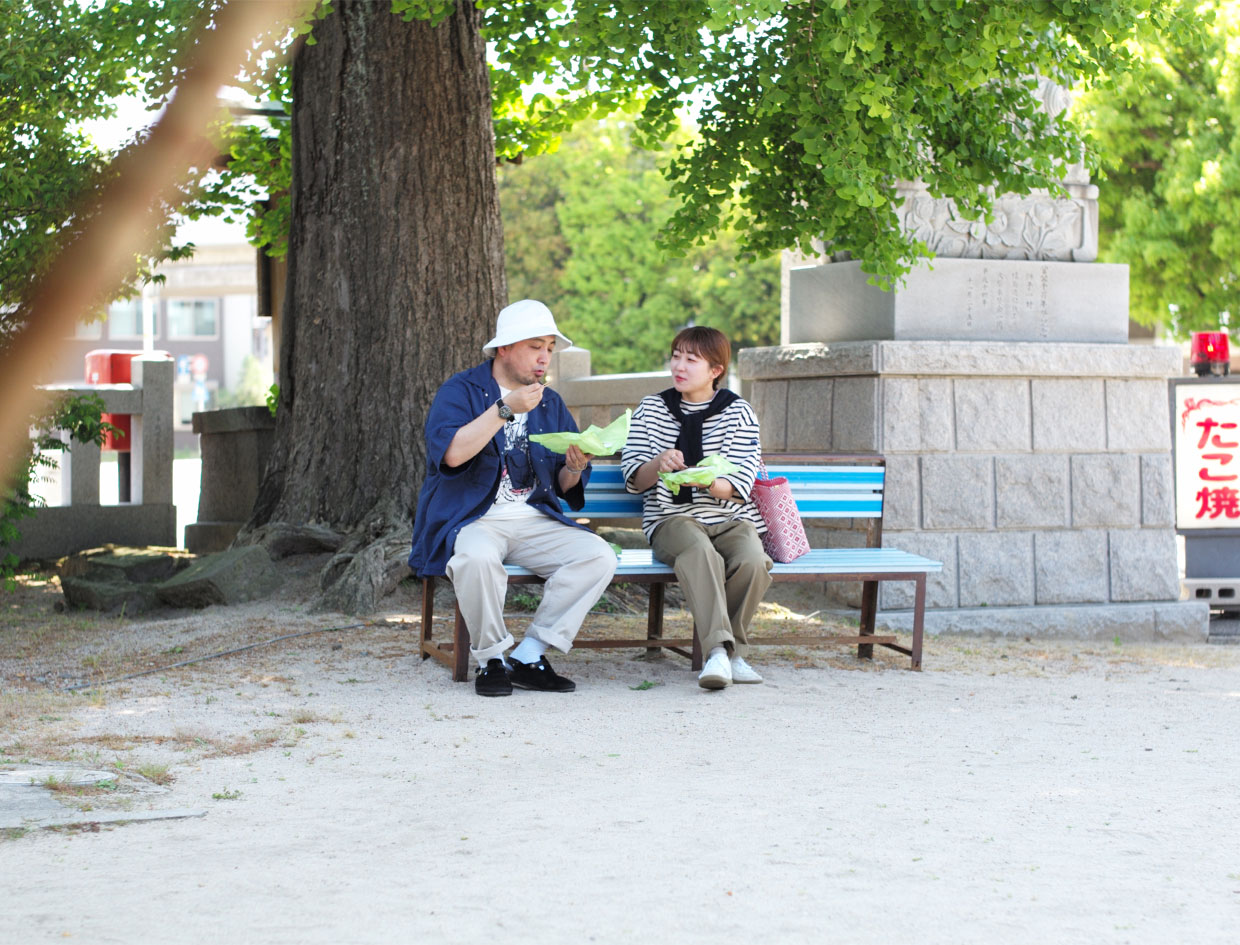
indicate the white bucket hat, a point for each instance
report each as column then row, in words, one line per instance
column 521, row 320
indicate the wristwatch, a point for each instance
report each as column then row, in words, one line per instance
column 505, row 412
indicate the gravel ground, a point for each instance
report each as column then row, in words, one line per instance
column 332, row 787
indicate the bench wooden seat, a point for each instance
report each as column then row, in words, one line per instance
column 824, row 485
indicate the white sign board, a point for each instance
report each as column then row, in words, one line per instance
column 1207, row 455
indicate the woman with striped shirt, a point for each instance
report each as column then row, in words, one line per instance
column 708, row 534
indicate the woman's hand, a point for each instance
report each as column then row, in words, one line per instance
column 671, row 460
column 648, row 473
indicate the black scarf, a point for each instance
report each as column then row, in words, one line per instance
column 689, row 442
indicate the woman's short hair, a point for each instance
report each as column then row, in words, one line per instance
column 710, row 344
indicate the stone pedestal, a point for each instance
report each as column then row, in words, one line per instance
column 1038, row 473
column 235, row 444
column 960, row 299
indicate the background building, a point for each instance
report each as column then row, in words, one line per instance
column 205, row 314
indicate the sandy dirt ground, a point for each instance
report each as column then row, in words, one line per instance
column 338, row 789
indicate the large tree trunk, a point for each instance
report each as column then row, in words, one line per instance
column 395, row 274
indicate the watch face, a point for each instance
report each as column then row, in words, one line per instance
column 505, row 411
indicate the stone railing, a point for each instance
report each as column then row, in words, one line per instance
column 149, row 517
column 599, row 399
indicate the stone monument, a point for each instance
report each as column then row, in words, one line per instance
column 1027, row 443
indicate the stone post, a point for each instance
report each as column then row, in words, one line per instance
column 79, row 470
column 152, row 448
column 235, row 445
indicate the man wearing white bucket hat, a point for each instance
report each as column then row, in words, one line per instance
column 492, row 497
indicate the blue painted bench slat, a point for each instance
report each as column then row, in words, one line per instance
column 824, row 486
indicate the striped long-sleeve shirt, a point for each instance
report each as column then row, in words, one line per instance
column 732, row 433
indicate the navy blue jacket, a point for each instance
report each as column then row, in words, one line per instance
column 452, row 497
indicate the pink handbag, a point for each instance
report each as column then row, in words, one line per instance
column 785, row 535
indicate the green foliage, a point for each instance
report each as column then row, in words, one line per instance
column 251, row 389
column 65, row 63
column 582, row 231
column 255, row 189
column 810, row 113
column 61, row 64
column 81, row 417
column 1167, row 140
column 273, row 398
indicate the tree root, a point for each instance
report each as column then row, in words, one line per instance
column 354, row 582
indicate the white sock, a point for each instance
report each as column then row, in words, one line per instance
column 529, row 650
column 718, row 651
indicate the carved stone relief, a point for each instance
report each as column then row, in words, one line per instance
column 1037, row 226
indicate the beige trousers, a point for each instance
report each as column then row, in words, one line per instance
column 724, row 573
column 576, row 564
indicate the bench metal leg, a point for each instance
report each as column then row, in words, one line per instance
column 428, row 614
column 869, row 609
column 654, row 618
column 919, row 616
column 460, row 648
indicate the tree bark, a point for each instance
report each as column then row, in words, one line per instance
column 395, row 266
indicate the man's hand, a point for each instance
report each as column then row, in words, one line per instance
column 575, row 460
column 524, row 399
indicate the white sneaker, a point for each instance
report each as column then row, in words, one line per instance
column 742, row 672
column 717, row 673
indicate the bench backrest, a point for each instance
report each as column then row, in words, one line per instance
column 823, row 491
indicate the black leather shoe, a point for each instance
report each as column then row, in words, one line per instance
column 539, row 676
column 493, row 681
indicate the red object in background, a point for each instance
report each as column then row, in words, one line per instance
column 115, row 366
column 1209, row 353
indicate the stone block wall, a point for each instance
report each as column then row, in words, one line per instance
column 1039, row 474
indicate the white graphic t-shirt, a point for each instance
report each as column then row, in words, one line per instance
column 510, row 500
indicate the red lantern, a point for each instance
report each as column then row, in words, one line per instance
column 1210, row 353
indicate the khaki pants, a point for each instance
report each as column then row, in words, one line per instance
column 724, row 573
column 576, row 564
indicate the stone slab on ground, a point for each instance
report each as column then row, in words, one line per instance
column 1140, row 622
column 28, row 803
column 108, row 595
column 13, row 819
column 227, row 577
column 114, row 578
column 110, row 562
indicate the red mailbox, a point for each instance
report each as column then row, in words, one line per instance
column 114, row 366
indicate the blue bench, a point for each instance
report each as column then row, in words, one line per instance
column 842, row 487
